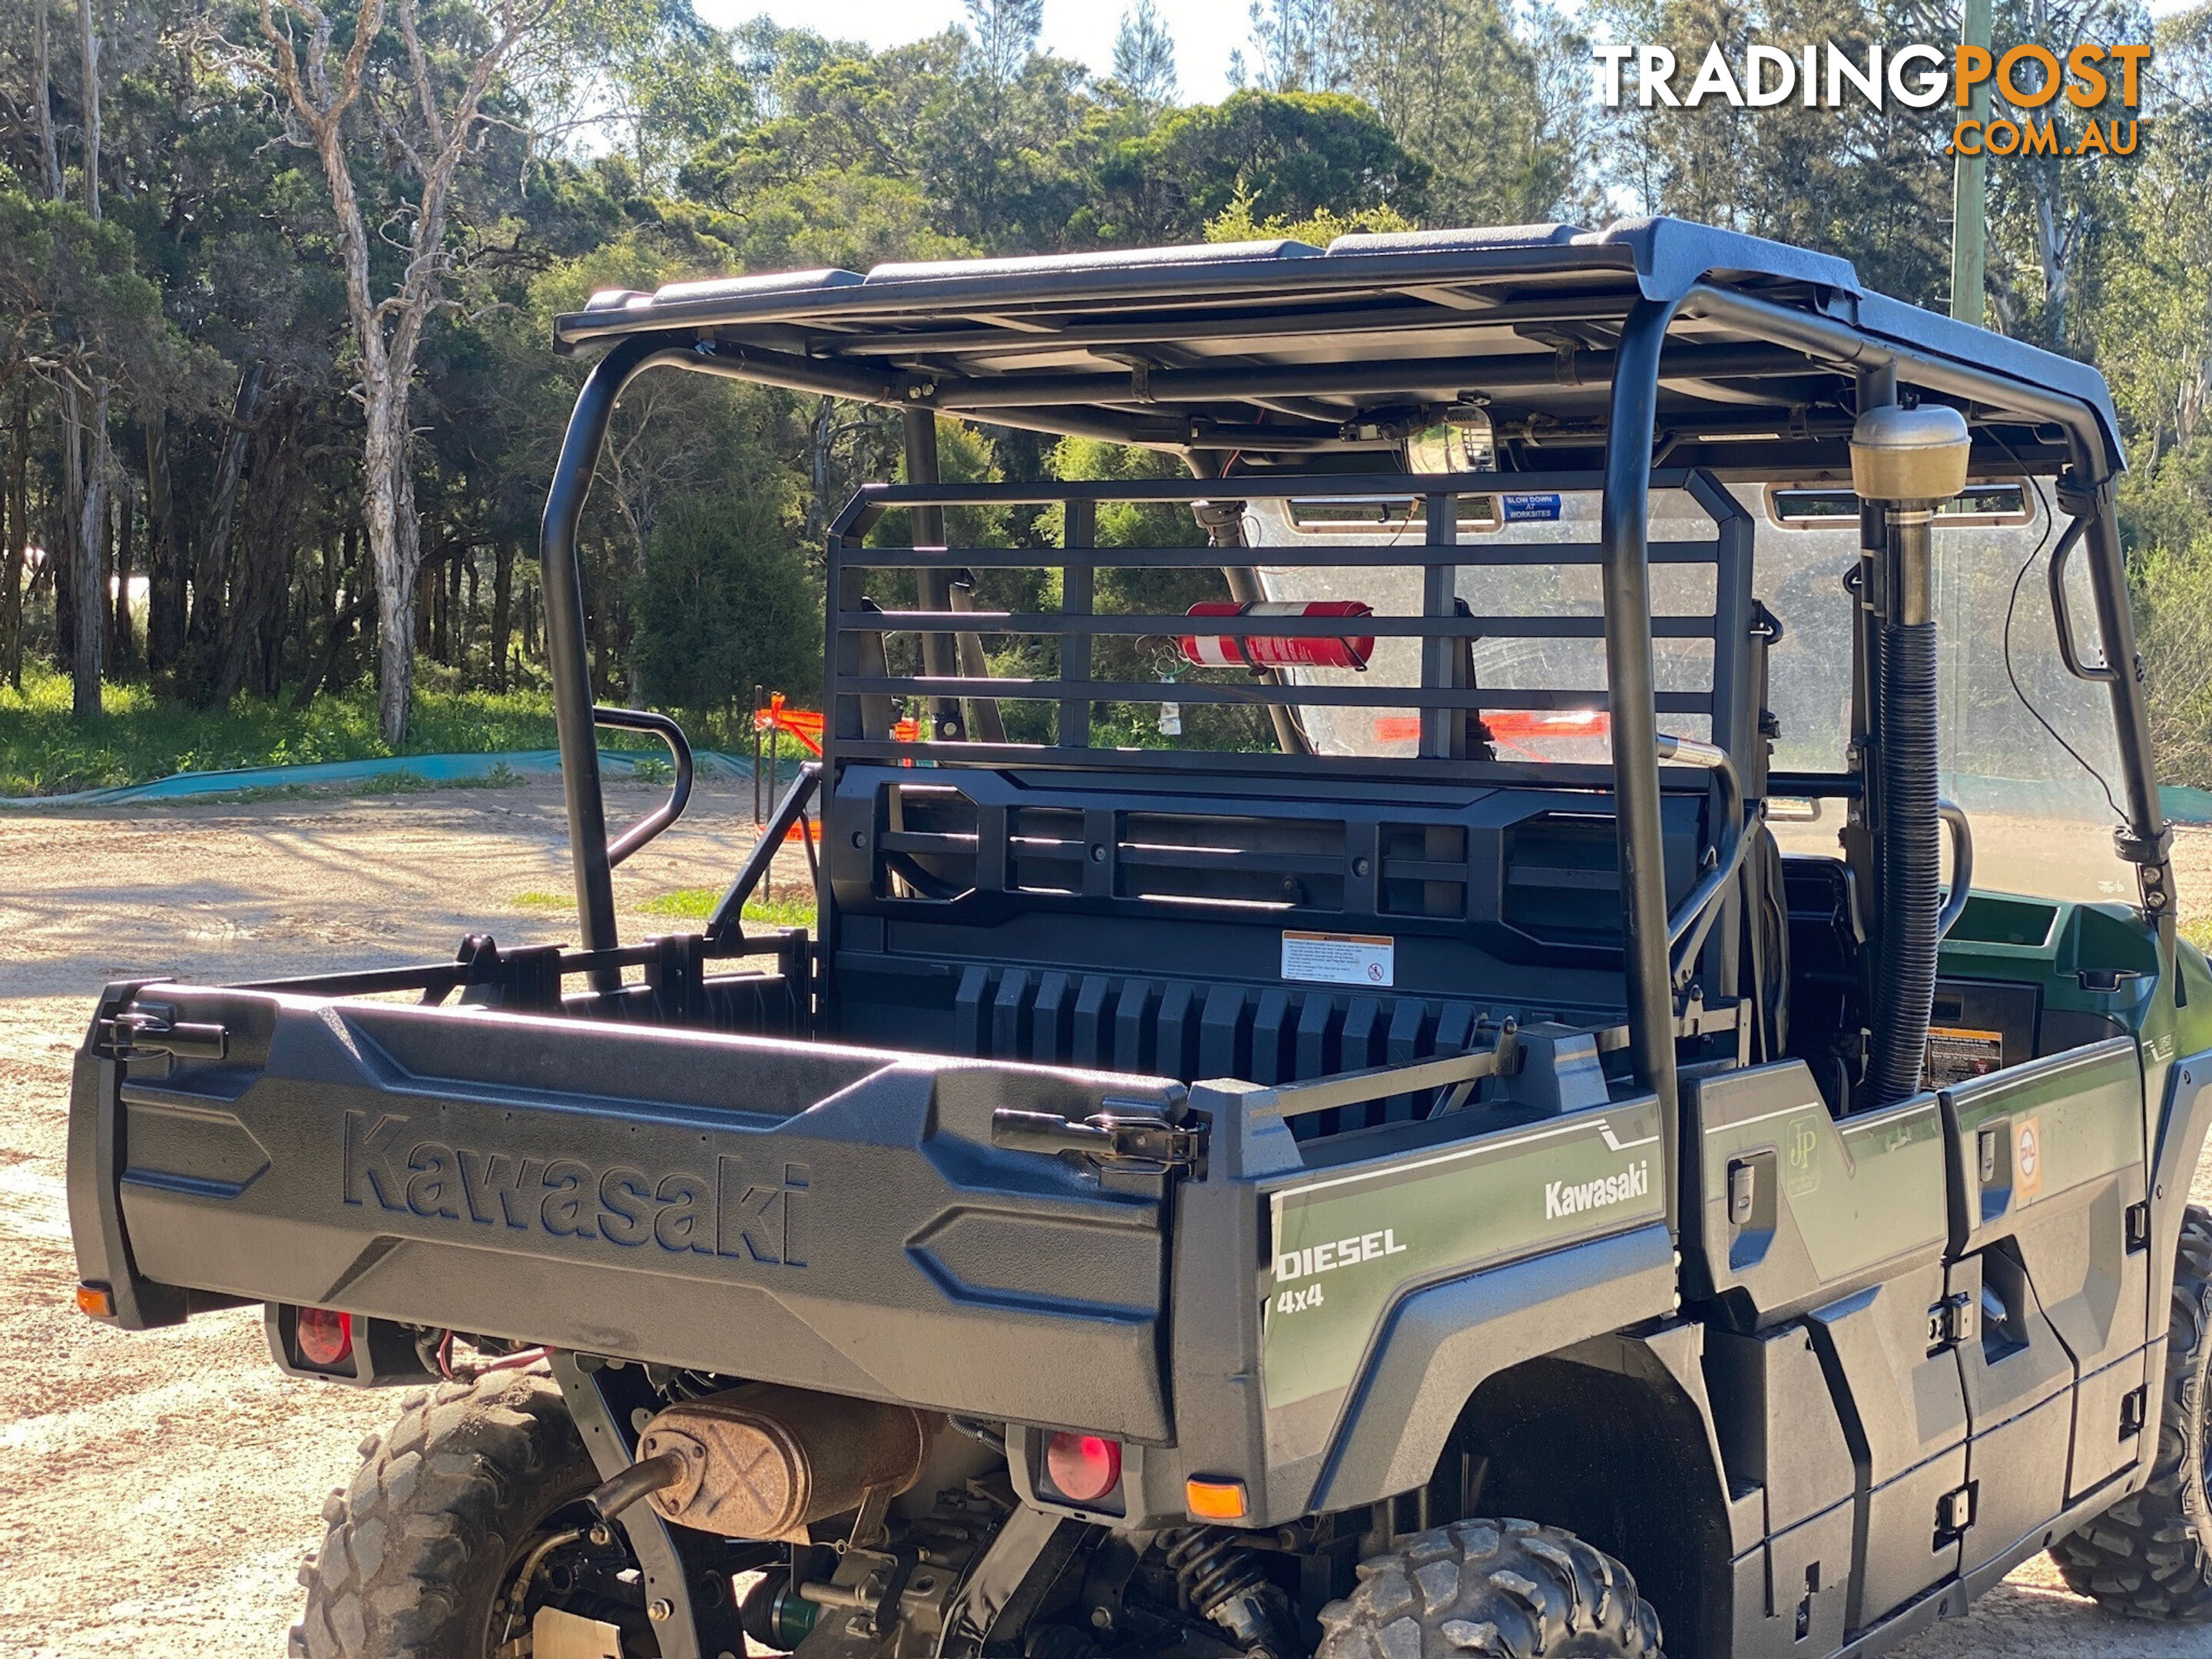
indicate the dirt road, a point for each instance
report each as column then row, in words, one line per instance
column 158, row 1492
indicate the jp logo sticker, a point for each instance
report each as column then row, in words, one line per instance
column 1800, row 1156
column 2026, row 1158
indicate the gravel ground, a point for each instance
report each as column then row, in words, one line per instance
column 157, row 1491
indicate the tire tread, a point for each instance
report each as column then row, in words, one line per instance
column 2147, row 1556
column 1519, row 1591
column 427, row 1517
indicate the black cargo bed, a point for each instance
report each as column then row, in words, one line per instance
column 829, row 1217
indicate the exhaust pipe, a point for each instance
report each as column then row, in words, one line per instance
column 764, row 1461
column 1909, row 460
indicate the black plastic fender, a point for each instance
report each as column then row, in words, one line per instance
column 1440, row 1342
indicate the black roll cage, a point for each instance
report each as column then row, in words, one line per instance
column 1793, row 341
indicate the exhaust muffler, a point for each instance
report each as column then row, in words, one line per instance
column 764, row 1461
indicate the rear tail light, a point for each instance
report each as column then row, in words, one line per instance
column 1234, row 648
column 1084, row 1468
column 324, row 1336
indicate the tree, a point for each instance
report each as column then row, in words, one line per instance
column 1286, row 155
column 389, row 317
column 725, row 603
column 1457, row 86
column 1295, row 47
column 1873, row 185
column 1144, row 57
column 672, row 82
column 1004, row 33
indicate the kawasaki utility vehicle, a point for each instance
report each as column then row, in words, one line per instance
column 1389, row 1067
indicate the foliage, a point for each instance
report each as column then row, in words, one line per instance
column 1287, row 155
column 1235, row 223
column 630, row 146
column 724, row 604
column 44, row 750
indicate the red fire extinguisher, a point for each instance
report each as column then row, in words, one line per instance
column 1254, row 649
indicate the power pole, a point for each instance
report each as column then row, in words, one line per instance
column 1969, row 208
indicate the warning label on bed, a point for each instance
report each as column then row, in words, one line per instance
column 1340, row 958
column 1957, row 1053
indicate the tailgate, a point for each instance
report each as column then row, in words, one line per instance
column 829, row 1217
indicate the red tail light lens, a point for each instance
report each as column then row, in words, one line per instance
column 325, row 1336
column 1084, row 1468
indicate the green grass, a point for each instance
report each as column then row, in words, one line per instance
column 46, row 750
column 688, row 905
column 696, row 903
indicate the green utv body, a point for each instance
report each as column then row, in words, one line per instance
column 1441, row 1102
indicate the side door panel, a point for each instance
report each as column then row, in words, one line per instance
column 2019, row 1382
column 2046, row 1162
column 1905, row 1413
column 1845, row 1223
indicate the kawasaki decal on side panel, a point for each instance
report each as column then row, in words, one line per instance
column 1347, row 1243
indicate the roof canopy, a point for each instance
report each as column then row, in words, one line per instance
column 1288, row 352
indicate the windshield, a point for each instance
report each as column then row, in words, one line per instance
column 2041, row 819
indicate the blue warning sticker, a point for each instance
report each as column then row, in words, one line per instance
column 1530, row 509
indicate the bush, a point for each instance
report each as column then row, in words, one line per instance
column 725, row 603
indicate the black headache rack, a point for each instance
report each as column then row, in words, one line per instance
column 1061, row 902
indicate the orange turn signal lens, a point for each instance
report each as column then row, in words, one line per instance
column 95, row 1300
column 1214, row 1500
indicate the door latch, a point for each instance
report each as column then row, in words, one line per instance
column 152, row 1030
column 1950, row 1321
column 1104, row 1137
column 1742, row 1192
column 2132, row 1405
column 1955, row 1512
column 2138, row 1227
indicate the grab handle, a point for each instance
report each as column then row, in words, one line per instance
column 679, row 749
column 2062, row 618
column 1962, row 865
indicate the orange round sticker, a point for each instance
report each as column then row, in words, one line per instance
column 2027, row 1158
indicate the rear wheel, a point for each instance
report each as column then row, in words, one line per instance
column 1492, row 1589
column 461, row 1523
column 2150, row 1555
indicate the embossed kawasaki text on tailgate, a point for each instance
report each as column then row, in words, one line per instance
column 750, row 1213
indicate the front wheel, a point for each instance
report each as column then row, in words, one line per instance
column 1492, row 1589
column 461, row 1524
column 2150, row 1555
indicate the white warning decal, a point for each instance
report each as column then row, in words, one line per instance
column 1368, row 959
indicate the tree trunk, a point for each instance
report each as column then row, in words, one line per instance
column 262, row 570
column 88, row 40
column 502, row 610
column 210, row 569
column 325, row 663
column 164, row 568
column 50, row 154
column 395, row 554
column 18, row 543
column 122, row 638
column 472, row 578
column 90, row 492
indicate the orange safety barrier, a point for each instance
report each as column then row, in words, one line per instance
column 1507, row 726
column 805, row 724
